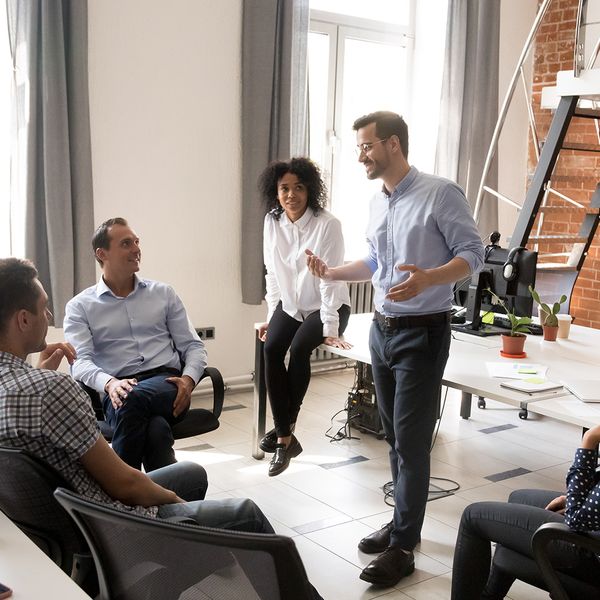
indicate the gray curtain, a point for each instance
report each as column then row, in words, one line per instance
column 469, row 104
column 274, row 42
column 48, row 41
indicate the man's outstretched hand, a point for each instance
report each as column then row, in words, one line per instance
column 317, row 266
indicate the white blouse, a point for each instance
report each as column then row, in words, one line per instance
column 288, row 278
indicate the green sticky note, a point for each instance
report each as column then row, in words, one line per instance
column 527, row 371
column 488, row 318
column 534, row 380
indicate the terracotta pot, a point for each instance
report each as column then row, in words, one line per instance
column 513, row 344
column 550, row 333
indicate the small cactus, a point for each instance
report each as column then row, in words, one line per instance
column 550, row 320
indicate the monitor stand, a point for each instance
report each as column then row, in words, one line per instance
column 484, row 330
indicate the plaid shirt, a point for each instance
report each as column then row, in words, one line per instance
column 46, row 413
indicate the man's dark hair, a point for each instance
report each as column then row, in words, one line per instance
column 386, row 124
column 18, row 288
column 307, row 173
column 101, row 237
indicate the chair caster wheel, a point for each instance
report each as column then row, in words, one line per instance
column 481, row 403
column 523, row 414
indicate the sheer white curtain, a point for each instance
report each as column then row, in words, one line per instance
column 469, row 106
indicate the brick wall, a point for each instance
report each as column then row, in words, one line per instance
column 577, row 173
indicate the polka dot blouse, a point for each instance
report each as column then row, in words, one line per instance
column 583, row 492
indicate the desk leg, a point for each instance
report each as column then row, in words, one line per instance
column 465, row 405
column 260, row 399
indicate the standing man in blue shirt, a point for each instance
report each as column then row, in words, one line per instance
column 421, row 238
column 136, row 345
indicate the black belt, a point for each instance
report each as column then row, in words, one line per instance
column 408, row 321
column 151, row 373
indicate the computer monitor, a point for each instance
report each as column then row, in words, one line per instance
column 514, row 292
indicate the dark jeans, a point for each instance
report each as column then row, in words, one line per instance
column 287, row 387
column 511, row 525
column 408, row 364
column 139, row 436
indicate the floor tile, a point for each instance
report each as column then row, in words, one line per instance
column 328, row 510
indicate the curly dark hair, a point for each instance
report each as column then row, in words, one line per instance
column 306, row 171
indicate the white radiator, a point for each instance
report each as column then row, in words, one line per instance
column 361, row 301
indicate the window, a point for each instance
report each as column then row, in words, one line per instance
column 365, row 57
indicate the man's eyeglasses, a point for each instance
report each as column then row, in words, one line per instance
column 367, row 147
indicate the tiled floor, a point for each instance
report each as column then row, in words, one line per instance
column 327, row 502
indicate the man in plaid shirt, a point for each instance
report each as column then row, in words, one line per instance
column 45, row 412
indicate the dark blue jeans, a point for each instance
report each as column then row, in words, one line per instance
column 408, row 364
column 139, row 436
column 511, row 525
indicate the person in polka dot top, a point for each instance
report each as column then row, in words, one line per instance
column 510, row 525
column 583, row 485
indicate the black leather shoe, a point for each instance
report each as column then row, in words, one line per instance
column 389, row 568
column 378, row 541
column 281, row 459
column 268, row 442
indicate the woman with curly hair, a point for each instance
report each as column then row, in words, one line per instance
column 303, row 311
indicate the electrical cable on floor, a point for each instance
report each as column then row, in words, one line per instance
column 343, row 433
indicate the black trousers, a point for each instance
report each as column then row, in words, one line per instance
column 408, row 364
column 511, row 525
column 287, row 387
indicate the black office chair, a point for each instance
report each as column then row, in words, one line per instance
column 140, row 558
column 561, row 586
column 538, row 572
column 196, row 421
column 27, row 487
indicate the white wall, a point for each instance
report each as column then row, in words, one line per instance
column 516, row 19
column 165, row 105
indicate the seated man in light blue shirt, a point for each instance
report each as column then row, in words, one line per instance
column 134, row 344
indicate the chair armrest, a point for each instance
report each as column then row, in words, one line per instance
column 95, row 399
column 558, row 532
column 218, row 389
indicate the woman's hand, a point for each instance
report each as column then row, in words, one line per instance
column 558, row 505
column 262, row 331
column 337, row 342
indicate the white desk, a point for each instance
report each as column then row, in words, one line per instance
column 569, row 410
column 466, row 370
column 28, row 571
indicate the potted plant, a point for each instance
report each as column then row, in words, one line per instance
column 513, row 342
column 549, row 320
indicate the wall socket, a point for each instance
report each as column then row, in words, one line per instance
column 206, row 333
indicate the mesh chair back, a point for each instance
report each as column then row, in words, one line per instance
column 27, row 485
column 151, row 559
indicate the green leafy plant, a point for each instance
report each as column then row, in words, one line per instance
column 518, row 325
column 551, row 320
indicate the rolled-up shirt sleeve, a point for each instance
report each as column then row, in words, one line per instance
column 454, row 219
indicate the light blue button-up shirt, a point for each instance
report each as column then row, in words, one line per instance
column 426, row 222
column 116, row 336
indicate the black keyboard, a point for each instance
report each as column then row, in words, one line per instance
column 503, row 322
